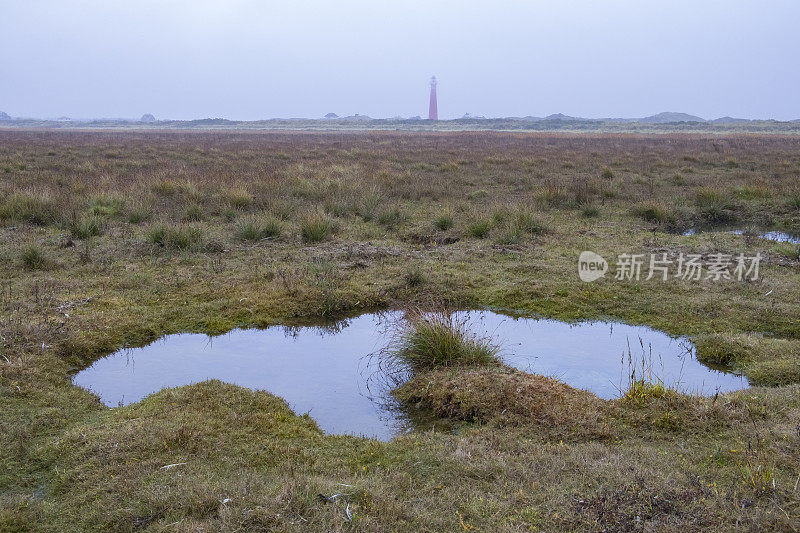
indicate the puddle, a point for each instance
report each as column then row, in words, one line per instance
column 325, row 371
column 777, row 236
column 598, row 356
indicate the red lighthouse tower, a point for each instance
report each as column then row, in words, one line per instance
column 433, row 110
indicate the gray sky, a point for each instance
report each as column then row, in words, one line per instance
column 248, row 59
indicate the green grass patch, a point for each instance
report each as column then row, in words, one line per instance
column 33, row 208
column 183, row 237
column 443, row 222
column 256, row 228
column 32, row 257
column 429, row 340
column 654, row 212
column 317, row 227
column 480, row 229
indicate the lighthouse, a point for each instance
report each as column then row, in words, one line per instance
column 433, row 110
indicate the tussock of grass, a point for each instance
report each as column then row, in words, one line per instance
column 794, row 201
column 165, row 188
column 516, row 225
column 87, row 226
column 106, row 205
column 33, row 208
column 238, row 198
column 654, row 212
column 32, row 257
column 716, row 207
column 137, row 211
column 640, row 391
column 478, row 194
column 503, row 396
column 678, row 179
column 480, row 228
column 590, row 211
column 752, row 192
column 414, row 276
column 256, row 228
column 317, row 227
column 176, row 237
column 443, row 222
column 430, row 340
column 194, row 213
column 390, row 217
column 552, row 195
column 527, row 222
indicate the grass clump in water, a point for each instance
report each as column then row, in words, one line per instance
column 438, row 339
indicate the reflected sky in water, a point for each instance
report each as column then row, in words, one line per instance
column 327, row 371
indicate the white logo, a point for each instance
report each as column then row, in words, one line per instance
column 591, row 266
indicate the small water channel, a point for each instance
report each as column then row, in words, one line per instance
column 325, row 371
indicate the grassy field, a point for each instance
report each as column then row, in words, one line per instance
column 113, row 239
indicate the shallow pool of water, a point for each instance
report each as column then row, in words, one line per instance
column 326, row 371
column 777, row 236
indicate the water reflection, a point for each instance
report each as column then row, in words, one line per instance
column 326, row 370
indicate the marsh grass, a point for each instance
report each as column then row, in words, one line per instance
column 169, row 237
column 480, row 228
column 444, row 222
column 390, row 217
column 655, row 212
column 440, row 339
column 33, row 257
column 31, row 207
column 317, row 226
column 518, row 426
column 716, row 207
column 106, row 205
column 194, row 213
column 85, row 227
column 256, row 228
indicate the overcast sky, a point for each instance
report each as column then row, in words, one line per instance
column 254, row 59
